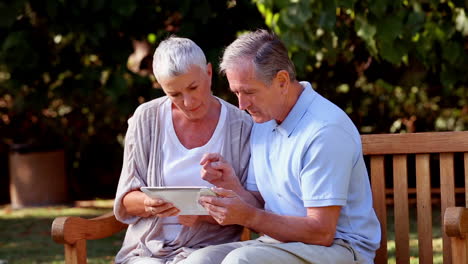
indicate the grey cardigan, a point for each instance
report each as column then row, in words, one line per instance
column 142, row 166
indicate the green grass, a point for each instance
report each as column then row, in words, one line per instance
column 25, row 235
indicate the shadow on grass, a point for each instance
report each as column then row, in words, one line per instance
column 25, row 236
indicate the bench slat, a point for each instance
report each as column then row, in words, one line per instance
column 447, row 193
column 424, row 208
column 400, row 183
column 466, row 178
column 412, row 143
column 378, row 195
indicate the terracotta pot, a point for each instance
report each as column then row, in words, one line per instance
column 37, row 178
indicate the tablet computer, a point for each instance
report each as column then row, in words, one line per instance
column 185, row 198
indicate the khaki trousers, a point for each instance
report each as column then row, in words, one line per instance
column 268, row 250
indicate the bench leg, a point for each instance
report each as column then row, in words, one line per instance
column 76, row 253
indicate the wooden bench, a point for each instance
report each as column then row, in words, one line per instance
column 410, row 158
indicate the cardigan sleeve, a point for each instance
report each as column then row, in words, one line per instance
column 238, row 141
column 135, row 163
column 244, row 148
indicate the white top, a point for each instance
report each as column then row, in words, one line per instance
column 314, row 159
column 181, row 165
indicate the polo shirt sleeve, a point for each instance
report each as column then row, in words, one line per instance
column 327, row 167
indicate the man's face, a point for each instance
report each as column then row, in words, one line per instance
column 262, row 101
column 190, row 92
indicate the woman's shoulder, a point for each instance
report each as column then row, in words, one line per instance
column 149, row 108
column 147, row 112
column 151, row 105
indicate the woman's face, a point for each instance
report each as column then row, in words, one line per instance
column 190, row 92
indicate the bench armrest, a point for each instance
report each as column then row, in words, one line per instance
column 456, row 221
column 69, row 230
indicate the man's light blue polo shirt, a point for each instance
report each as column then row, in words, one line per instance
column 314, row 159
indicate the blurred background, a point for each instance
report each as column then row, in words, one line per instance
column 73, row 72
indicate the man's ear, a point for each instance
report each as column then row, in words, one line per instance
column 283, row 81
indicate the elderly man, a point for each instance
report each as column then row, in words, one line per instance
column 306, row 162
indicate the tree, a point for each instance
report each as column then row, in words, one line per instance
column 391, row 65
column 64, row 75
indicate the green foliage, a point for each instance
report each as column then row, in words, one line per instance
column 403, row 62
column 65, row 76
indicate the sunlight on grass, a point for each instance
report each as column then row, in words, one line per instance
column 436, row 245
column 48, row 212
column 25, row 234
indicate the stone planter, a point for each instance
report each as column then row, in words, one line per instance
column 37, row 178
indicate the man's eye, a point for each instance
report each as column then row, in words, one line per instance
column 193, row 87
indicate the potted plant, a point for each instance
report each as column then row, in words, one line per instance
column 33, row 130
column 31, row 116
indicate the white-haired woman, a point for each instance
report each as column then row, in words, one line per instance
column 165, row 141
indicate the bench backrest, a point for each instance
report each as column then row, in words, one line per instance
column 411, row 157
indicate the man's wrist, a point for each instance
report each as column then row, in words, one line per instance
column 253, row 217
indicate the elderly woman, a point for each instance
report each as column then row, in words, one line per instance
column 164, row 145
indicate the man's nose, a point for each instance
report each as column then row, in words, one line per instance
column 244, row 102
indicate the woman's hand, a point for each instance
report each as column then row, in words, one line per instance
column 139, row 204
column 159, row 208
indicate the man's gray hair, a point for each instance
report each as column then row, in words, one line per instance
column 264, row 49
column 174, row 56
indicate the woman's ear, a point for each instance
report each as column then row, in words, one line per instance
column 209, row 69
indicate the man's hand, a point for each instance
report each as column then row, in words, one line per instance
column 227, row 208
column 217, row 171
column 159, row 208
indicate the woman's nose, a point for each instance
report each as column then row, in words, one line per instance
column 188, row 101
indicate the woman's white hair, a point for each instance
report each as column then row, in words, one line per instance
column 174, row 56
